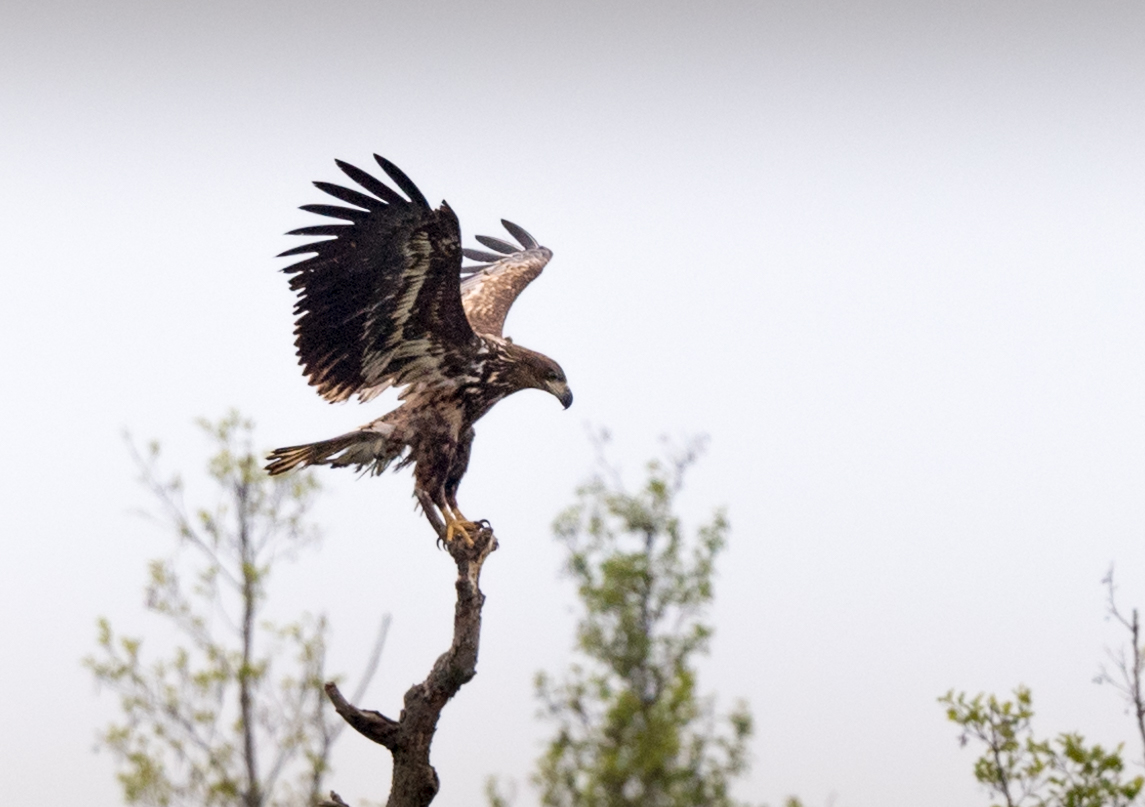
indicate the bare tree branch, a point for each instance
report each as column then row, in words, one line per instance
column 375, row 658
column 1129, row 670
column 415, row 782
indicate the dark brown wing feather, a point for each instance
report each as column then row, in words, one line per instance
column 489, row 292
column 379, row 303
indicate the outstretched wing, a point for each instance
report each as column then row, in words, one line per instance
column 379, row 303
column 490, row 288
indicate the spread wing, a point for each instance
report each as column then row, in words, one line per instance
column 490, row 288
column 379, row 303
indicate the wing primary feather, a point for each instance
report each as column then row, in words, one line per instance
column 467, row 271
column 370, row 183
column 311, row 247
column 504, row 247
column 403, row 182
column 337, row 212
column 478, row 255
column 351, row 196
column 322, row 229
column 527, row 241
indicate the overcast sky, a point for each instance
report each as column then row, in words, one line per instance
column 888, row 256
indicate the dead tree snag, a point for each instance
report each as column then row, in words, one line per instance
column 408, row 738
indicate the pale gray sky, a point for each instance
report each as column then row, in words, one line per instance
column 889, row 256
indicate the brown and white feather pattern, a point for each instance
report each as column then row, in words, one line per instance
column 382, row 303
column 488, row 293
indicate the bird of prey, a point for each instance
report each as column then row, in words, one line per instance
column 385, row 302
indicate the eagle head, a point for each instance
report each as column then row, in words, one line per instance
column 537, row 371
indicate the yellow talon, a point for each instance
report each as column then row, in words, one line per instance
column 450, row 528
column 456, row 522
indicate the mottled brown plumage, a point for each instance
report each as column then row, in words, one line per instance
column 383, row 303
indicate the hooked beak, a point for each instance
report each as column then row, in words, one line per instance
column 563, row 393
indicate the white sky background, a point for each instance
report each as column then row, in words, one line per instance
column 888, row 256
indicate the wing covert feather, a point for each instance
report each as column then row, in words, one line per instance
column 489, row 293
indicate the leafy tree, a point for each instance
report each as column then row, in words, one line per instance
column 1021, row 770
column 631, row 728
column 227, row 717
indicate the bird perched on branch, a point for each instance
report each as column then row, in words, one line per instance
column 385, row 302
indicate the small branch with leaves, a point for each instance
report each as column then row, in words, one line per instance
column 1023, row 770
column 233, row 713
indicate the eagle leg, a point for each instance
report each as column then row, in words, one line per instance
column 432, row 512
column 457, row 526
column 456, row 522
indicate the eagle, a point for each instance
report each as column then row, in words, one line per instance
column 385, row 301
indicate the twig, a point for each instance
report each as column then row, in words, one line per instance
column 1130, row 673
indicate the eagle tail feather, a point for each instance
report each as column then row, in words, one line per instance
column 366, row 450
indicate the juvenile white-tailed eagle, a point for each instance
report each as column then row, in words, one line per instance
column 386, row 302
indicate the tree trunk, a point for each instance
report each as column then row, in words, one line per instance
column 253, row 795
